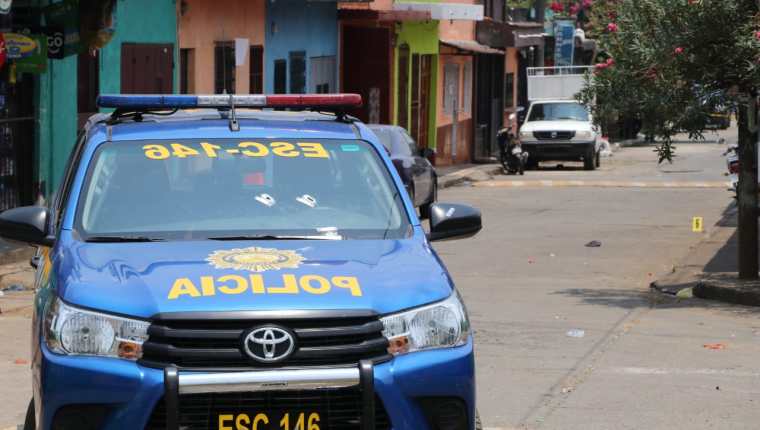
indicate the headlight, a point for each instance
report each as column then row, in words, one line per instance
column 69, row 330
column 440, row 325
column 584, row 134
column 524, row 135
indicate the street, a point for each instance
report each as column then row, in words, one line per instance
column 636, row 359
column 642, row 360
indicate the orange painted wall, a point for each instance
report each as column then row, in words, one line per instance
column 206, row 22
column 457, row 29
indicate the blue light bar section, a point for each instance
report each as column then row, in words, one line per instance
column 147, row 101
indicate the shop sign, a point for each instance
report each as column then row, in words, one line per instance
column 564, row 46
column 64, row 16
column 29, row 52
column 55, row 43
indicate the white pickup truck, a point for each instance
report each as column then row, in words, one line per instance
column 556, row 127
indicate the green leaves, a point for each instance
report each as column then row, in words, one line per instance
column 674, row 62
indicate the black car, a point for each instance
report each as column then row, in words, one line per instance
column 415, row 170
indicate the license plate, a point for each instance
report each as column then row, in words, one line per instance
column 270, row 421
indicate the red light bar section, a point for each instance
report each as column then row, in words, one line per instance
column 314, row 100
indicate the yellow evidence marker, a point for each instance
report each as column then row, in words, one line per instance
column 697, row 224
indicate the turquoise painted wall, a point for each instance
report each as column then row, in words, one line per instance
column 137, row 21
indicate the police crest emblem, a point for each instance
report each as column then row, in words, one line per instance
column 255, row 259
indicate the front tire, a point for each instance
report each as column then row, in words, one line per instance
column 30, row 421
column 588, row 159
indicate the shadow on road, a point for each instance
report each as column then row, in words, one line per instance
column 633, row 299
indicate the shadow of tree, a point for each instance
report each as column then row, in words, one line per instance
column 633, row 299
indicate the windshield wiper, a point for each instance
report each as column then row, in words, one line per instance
column 273, row 237
column 107, row 239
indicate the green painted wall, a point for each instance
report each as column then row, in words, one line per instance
column 138, row 21
column 422, row 38
column 56, row 96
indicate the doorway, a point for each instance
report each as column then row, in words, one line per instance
column 489, row 105
column 368, row 75
column 420, row 105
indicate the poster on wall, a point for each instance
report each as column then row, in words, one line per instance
column 27, row 51
column 564, row 45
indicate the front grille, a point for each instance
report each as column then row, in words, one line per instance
column 214, row 343
column 554, row 135
column 338, row 409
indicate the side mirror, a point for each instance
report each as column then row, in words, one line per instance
column 521, row 117
column 427, row 153
column 26, row 224
column 519, row 109
column 453, row 221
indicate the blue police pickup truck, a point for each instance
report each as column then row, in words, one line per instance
column 211, row 264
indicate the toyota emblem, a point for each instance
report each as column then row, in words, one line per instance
column 269, row 344
column 554, row 135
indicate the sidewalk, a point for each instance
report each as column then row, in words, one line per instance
column 709, row 271
column 449, row 176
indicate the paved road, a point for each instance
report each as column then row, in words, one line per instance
column 528, row 279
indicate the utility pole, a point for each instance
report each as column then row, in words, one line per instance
column 540, row 18
column 747, row 189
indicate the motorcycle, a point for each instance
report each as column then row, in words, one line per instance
column 511, row 155
column 732, row 164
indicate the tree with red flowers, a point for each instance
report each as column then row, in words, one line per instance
column 673, row 63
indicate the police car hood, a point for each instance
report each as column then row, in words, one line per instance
column 144, row 279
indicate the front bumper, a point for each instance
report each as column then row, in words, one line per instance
column 557, row 150
column 132, row 391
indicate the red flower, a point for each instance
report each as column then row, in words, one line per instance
column 587, row 3
column 612, row 15
column 557, row 7
column 757, row 35
column 610, row 62
column 574, row 9
column 612, row 27
column 693, row 1
column 678, row 51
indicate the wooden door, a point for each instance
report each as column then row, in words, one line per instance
column 147, row 68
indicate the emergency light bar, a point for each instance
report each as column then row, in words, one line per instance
column 182, row 101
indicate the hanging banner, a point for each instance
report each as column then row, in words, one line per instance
column 64, row 16
column 564, row 45
column 55, row 42
column 34, row 60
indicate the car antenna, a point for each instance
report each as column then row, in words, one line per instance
column 234, row 124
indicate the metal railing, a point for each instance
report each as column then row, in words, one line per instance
column 559, row 70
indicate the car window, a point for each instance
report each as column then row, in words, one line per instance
column 223, row 187
column 385, row 137
column 409, row 142
column 558, row 112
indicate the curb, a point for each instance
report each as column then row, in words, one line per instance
column 17, row 255
column 456, row 178
column 735, row 294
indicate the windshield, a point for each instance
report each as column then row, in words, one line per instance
column 223, row 188
column 558, row 112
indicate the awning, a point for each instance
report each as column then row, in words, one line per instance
column 471, row 45
column 383, row 15
column 441, row 11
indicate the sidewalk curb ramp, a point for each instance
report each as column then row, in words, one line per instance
column 471, row 174
column 17, row 255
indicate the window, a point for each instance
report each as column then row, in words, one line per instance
column 330, row 187
column 186, row 70
column 322, row 77
column 280, row 77
column 558, row 112
column 297, row 72
column 256, row 76
column 224, row 68
column 509, row 90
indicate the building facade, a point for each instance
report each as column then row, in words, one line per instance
column 221, row 46
column 302, row 47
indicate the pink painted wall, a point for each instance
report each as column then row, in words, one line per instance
column 206, row 22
